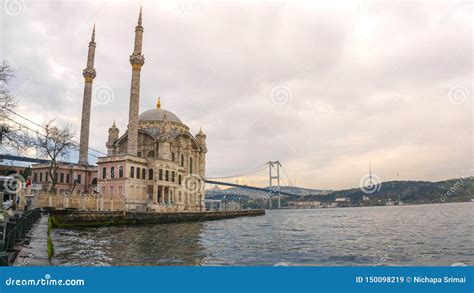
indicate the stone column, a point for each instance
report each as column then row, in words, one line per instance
column 136, row 60
column 89, row 75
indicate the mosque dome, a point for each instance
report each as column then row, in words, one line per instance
column 158, row 114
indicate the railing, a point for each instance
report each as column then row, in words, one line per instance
column 81, row 202
column 15, row 231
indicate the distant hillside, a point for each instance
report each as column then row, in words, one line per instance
column 454, row 190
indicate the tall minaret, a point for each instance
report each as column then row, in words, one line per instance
column 137, row 60
column 89, row 75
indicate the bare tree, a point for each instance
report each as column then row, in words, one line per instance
column 11, row 133
column 56, row 144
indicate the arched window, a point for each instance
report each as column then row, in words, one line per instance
column 139, row 154
column 151, row 154
column 167, row 174
column 150, row 174
column 160, row 174
column 132, row 170
column 104, row 173
column 172, row 176
column 190, row 165
column 120, row 171
column 172, row 156
column 182, row 161
column 144, row 174
column 179, row 179
column 138, row 173
column 112, row 172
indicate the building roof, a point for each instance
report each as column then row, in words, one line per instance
column 158, row 114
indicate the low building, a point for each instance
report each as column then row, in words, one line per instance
column 70, row 178
column 304, row 204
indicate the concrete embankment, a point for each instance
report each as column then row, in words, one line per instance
column 76, row 218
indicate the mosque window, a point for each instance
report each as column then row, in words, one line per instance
column 151, row 154
column 104, row 173
column 112, row 172
column 150, row 174
column 120, row 171
column 167, row 173
column 144, row 174
column 138, row 173
column 160, row 174
column 132, row 170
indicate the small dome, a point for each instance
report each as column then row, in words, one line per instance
column 157, row 114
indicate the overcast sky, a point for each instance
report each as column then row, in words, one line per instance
column 324, row 89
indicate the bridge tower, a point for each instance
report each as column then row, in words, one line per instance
column 274, row 166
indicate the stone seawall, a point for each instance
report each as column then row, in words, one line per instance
column 75, row 218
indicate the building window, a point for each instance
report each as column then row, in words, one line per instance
column 61, row 177
column 104, row 173
column 132, row 170
column 120, row 171
column 172, row 176
column 35, row 177
column 56, row 177
column 79, row 178
column 160, row 174
column 150, row 174
column 68, row 178
column 179, row 179
column 172, row 156
column 112, row 172
column 138, row 173
column 167, row 173
column 144, row 174
column 46, row 176
column 139, row 154
column 151, row 154
column 182, row 161
column 190, row 165
column 41, row 177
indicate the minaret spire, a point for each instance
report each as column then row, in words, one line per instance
column 93, row 34
column 136, row 60
column 89, row 75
